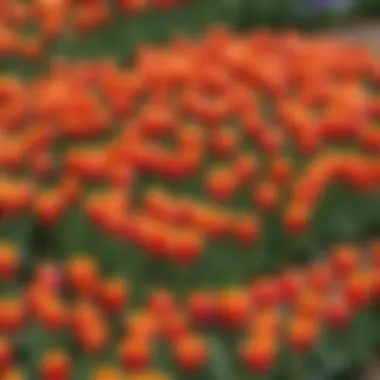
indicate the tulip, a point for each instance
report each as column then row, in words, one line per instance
column 191, row 354
column 55, row 365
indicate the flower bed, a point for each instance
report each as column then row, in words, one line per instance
column 149, row 211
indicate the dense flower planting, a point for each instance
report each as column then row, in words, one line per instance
column 29, row 27
column 292, row 313
column 149, row 212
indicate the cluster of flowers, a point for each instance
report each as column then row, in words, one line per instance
column 283, row 312
column 257, row 120
column 193, row 115
column 50, row 19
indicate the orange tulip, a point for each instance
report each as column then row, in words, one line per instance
column 12, row 314
column 221, row 184
column 52, row 314
column 246, row 168
column 344, row 260
column 161, row 303
column 175, row 326
column 264, row 293
column 9, row 261
column 303, row 333
column 82, row 274
column 141, row 324
column 247, row 229
column 297, row 219
column 202, row 307
column 49, row 206
column 337, row 312
column 266, row 195
column 55, row 365
column 259, row 354
column 224, row 142
column 187, row 247
column 113, row 294
column 191, row 353
column 135, row 354
column 234, row 308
